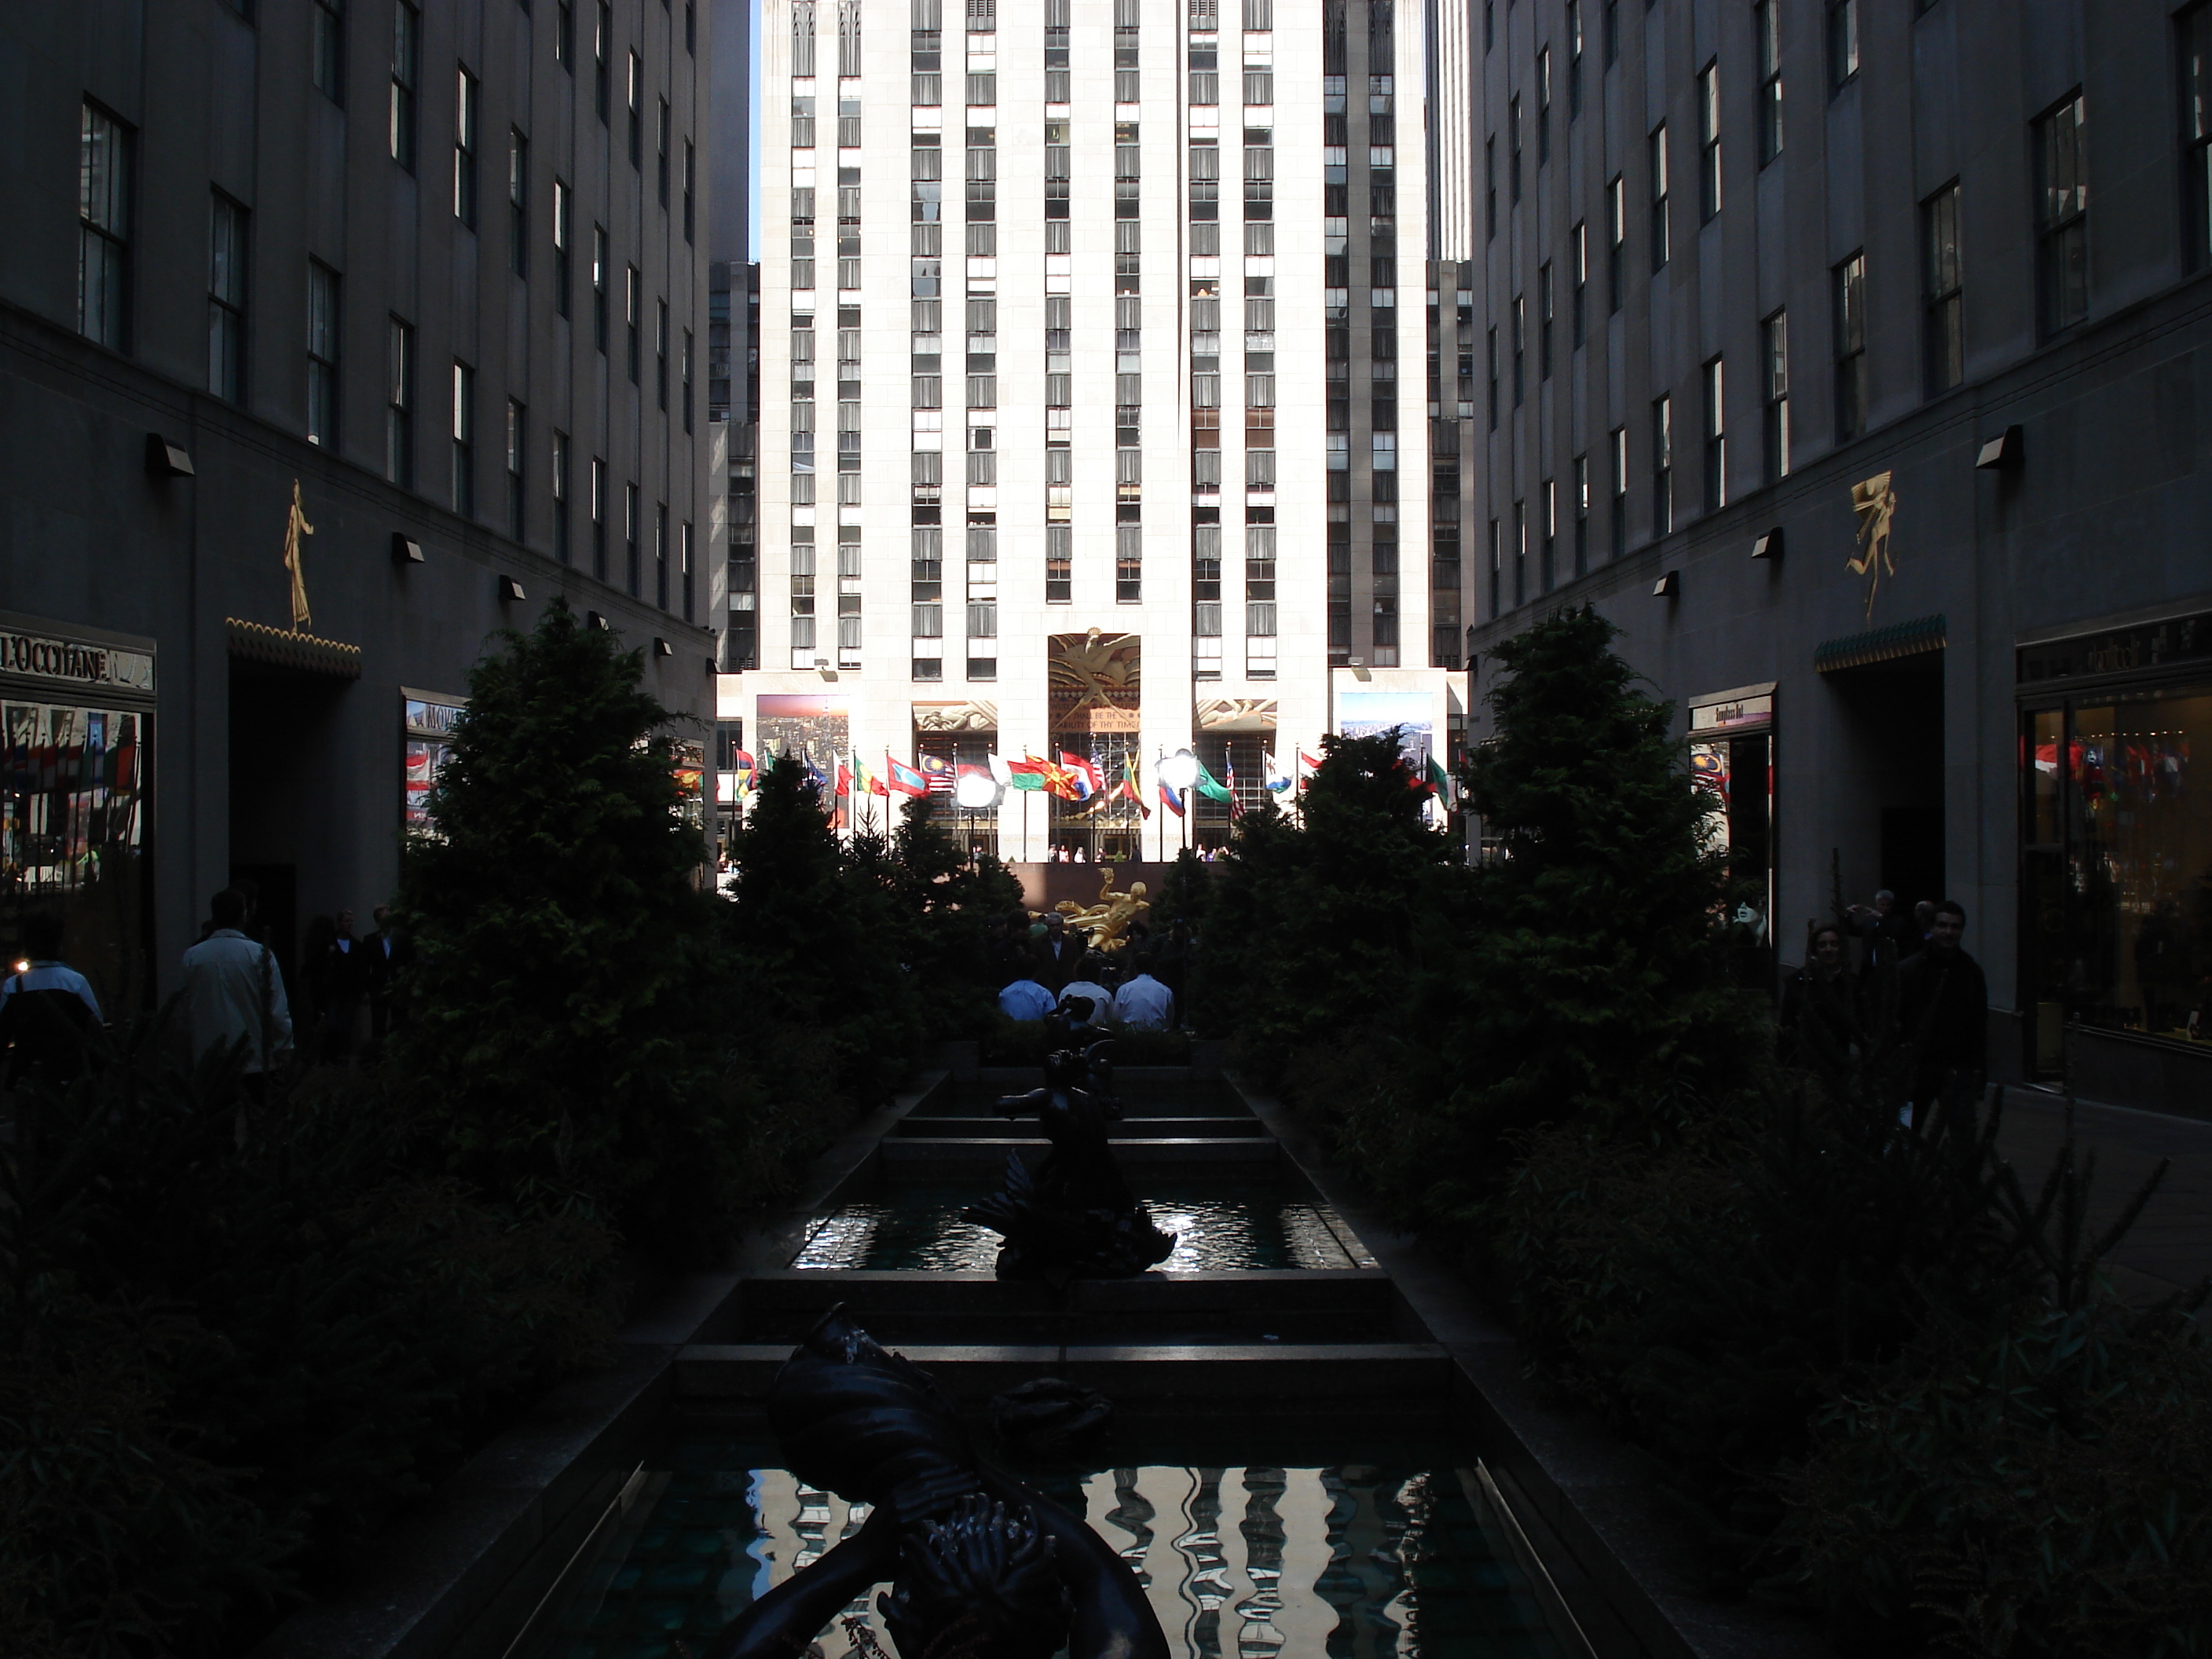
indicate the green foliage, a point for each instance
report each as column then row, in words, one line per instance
column 557, row 1010
column 1185, row 893
column 237, row 1337
column 949, row 907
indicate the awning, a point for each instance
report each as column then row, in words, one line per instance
column 297, row 653
column 1904, row 639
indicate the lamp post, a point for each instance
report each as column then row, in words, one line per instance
column 1179, row 771
column 973, row 792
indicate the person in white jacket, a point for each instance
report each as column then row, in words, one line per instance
column 234, row 991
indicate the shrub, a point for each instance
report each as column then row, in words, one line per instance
column 557, row 1012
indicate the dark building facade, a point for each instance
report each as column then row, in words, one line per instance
column 1852, row 359
column 418, row 290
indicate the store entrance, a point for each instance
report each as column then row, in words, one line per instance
column 1889, row 799
column 295, row 814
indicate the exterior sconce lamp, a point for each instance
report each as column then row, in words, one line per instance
column 2003, row 453
column 1768, row 546
column 511, row 590
column 1668, row 586
column 166, row 460
column 405, row 550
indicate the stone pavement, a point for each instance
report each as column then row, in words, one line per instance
column 2171, row 1246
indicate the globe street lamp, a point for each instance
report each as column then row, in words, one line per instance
column 973, row 792
column 1179, row 771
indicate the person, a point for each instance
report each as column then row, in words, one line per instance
column 1890, row 933
column 1942, row 1018
column 1090, row 991
column 1171, row 956
column 386, row 957
column 46, row 1007
column 345, row 980
column 1024, row 999
column 235, row 993
column 318, row 944
column 1820, row 1014
column 1060, row 953
column 1012, row 958
column 1143, row 1004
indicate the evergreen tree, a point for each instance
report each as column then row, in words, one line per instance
column 949, row 904
column 1596, row 983
column 555, row 1020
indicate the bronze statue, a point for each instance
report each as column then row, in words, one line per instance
column 979, row 1566
column 1074, row 1217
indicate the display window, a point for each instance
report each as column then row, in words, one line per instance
column 427, row 745
column 2117, row 867
column 1731, row 754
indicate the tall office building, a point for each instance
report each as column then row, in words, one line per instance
column 1845, row 357
column 418, row 288
column 1082, row 415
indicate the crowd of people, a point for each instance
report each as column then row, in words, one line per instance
column 348, row 990
column 1041, row 964
column 1839, row 1005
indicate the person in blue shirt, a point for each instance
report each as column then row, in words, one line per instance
column 1024, row 999
column 46, row 1007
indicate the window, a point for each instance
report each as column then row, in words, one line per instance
column 1128, row 564
column 1849, row 301
column 1520, row 343
column 1766, row 24
column 598, row 507
column 1490, row 186
column 322, row 318
column 400, row 405
column 1662, row 466
column 227, row 299
column 599, row 287
column 1659, row 196
column 518, row 203
column 103, row 228
column 1544, row 321
column 636, row 107
column 464, row 439
column 633, row 530
column 686, row 367
column 603, row 36
column 1059, row 564
column 559, row 471
column 1582, row 487
column 632, row 322
column 1709, row 143
column 1611, row 32
column 660, row 162
column 2062, row 216
column 661, row 555
column 564, row 35
column 1774, row 395
column 1616, row 236
column 1578, row 243
column 691, row 183
column 1513, row 150
column 406, row 72
column 1497, row 579
column 518, row 432
column 1944, row 343
column 1543, row 106
column 661, row 354
column 1548, row 535
column 1493, row 379
column 2196, row 131
column 562, row 201
column 326, row 46
column 1618, row 445
column 1520, row 553
column 1573, row 58
column 1716, row 437
column 1843, row 43
column 683, row 573
column 465, row 148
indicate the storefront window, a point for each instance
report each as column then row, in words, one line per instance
column 1732, row 754
column 2117, row 874
column 430, row 721
column 73, row 838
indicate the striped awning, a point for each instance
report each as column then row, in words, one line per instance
column 300, row 653
column 1904, row 639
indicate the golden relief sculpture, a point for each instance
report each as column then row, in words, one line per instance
column 1875, row 503
column 1095, row 681
column 295, row 526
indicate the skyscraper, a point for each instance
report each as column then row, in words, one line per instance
column 1061, row 450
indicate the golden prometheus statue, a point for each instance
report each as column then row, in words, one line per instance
column 295, row 527
column 1875, row 503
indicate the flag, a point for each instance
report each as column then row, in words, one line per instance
column 1209, row 785
column 1439, row 779
column 1307, row 767
column 741, row 770
column 903, row 779
column 1001, row 773
column 1027, row 773
column 815, row 775
column 1235, row 806
column 939, row 770
column 1278, row 779
column 1083, row 774
column 1170, row 800
column 844, row 778
column 869, row 783
column 979, row 772
column 1128, row 787
column 1059, row 780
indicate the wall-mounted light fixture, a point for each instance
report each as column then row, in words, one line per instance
column 822, row 667
column 661, row 647
column 593, row 619
column 2004, row 452
column 165, row 459
column 510, row 589
column 405, row 550
column 1768, row 546
column 1668, row 586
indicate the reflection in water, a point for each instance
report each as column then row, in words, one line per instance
column 1218, row 1229
column 1350, row 1561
